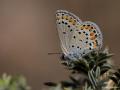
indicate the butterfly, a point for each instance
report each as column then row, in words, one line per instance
column 77, row 38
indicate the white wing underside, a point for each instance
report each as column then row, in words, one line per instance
column 72, row 38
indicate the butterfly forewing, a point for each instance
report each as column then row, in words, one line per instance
column 66, row 24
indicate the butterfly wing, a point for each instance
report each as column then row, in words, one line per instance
column 77, row 38
column 66, row 24
column 86, row 38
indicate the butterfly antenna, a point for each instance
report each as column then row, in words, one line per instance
column 53, row 53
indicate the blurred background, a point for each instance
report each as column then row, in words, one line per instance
column 28, row 33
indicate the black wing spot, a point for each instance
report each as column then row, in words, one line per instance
column 66, row 18
column 69, row 26
column 94, row 31
column 74, row 37
column 63, row 22
column 84, row 25
column 80, row 40
column 91, row 27
column 90, row 44
column 83, row 31
column 77, row 46
column 86, row 42
column 71, row 30
column 79, row 32
column 64, row 32
column 96, row 41
column 86, row 34
column 90, row 48
column 57, row 14
column 72, row 45
column 96, row 35
column 83, row 53
column 66, row 23
column 88, row 25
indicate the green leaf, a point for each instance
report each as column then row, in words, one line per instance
column 92, row 79
column 8, row 82
column 80, row 66
column 97, row 73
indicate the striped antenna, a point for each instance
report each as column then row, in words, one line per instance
column 53, row 53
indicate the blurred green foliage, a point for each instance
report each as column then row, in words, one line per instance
column 8, row 82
